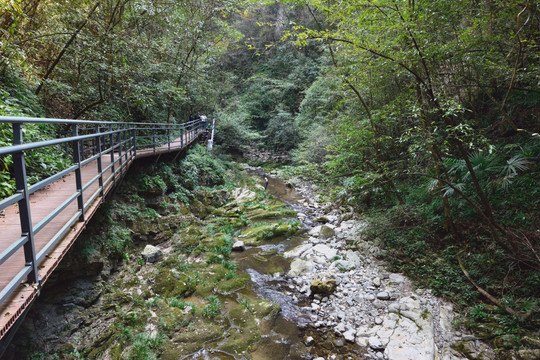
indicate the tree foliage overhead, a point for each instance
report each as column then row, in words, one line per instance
column 116, row 59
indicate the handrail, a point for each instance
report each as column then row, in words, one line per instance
column 118, row 143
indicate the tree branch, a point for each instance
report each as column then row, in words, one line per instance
column 66, row 46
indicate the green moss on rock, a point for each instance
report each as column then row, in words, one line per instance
column 234, row 284
column 246, row 332
column 264, row 309
column 173, row 284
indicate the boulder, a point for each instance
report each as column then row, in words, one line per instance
column 326, row 232
column 325, row 250
column 300, row 266
column 324, row 284
column 151, row 253
column 322, row 219
column 238, row 246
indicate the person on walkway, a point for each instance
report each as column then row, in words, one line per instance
column 204, row 121
column 265, row 183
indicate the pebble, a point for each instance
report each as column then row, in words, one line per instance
column 309, row 341
column 339, row 342
column 375, row 343
column 349, row 335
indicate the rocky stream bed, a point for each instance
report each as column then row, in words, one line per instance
column 300, row 283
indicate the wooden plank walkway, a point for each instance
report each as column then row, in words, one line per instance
column 43, row 203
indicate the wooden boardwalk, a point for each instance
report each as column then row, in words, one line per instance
column 43, row 203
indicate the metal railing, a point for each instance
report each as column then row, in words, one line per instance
column 112, row 145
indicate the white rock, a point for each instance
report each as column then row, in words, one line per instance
column 297, row 251
column 315, row 231
column 409, row 328
column 151, row 253
column 238, row 246
column 340, row 328
column 300, row 266
column 353, row 258
column 375, row 343
column 325, row 250
column 349, row 335
column 396, row 278
column 362, row 341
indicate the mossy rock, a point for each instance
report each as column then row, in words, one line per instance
column 100, row 344
column 255, row 235
column 259, row 213
column 234, row 284
column 199, row 332
column 264, row 309
column 172, row 284
column 244, row 334
column 228, row 212
column 199, row 209
column 173, row 319
column 210, row 276
column 189, row 237
column 171, row 351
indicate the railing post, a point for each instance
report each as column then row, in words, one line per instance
column 154, row 138
column 182, row 137
column 120, row 161
column 78, row 174
column 169, row 136
column 99, row 165
column 134, row 139
column 24, row 206
column 111, row 140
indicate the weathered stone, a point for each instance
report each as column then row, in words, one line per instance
column 375, row 343
column 151, row 253
column 309, row 341
column 324, row 284
column 340, row 328
column 353, row 258
column 238, row 246
column 339, row 343
column 315, row 230
column 383, row 295
column 377, row 282
column 326, row 232
column 297, row 251
column 342, row 265
column 322, row 219
column 300, row 266
column 396, row 278
column 529, row 354
column 349, row 335
column 325, row 250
